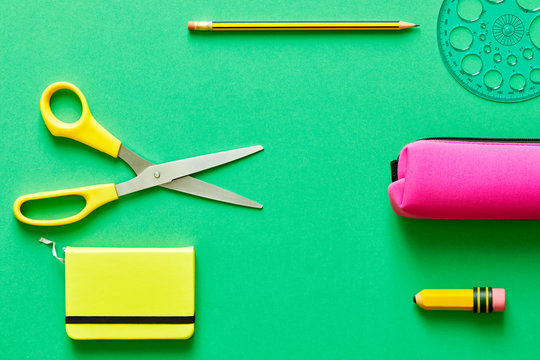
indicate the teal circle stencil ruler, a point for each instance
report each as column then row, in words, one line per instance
column 492, row 47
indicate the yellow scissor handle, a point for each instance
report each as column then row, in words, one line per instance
column 86, row 130
column 95, row 196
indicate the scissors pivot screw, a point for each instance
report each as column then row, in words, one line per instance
column 157, row 174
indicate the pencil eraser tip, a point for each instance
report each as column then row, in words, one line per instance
column 499, row 300
column 191, row 25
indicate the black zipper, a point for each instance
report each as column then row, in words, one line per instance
column 473, row 139
column 394, row 163
column 393, row 169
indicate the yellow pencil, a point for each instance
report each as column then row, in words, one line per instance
column 297, row 25
column 477, row 299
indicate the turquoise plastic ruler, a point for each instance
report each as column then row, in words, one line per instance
column 492, row 47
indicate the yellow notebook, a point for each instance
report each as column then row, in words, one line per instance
column 130, row 293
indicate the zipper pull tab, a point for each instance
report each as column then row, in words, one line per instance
column 48, row 242
column 394, row 169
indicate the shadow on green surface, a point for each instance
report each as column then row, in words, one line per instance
column 135, row 347
column 480, row 237
column 265, row 35
column 493, row 321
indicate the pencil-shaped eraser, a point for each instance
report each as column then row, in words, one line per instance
column 477, row 299
column 499, row 300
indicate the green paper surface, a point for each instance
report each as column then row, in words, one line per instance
column 326, row 270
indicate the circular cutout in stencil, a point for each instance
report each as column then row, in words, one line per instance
column 529, row 5
column 493, row 79
column 485, row 43
column 534, row 32
column 469, row 10
column 517, row 82
column 472, row 64
column 461, row 38
column 535, row 75
column 528, row 54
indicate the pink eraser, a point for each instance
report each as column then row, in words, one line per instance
column 191, row 25
column 499, row 299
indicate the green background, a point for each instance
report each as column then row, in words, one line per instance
column 326, row 269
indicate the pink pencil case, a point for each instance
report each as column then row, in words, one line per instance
column 467, row 178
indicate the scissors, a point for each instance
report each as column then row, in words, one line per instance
column 172, row 175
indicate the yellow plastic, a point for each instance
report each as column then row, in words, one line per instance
column 86, row 130
column 447, row 299
column 95, row 197
column 130, row 282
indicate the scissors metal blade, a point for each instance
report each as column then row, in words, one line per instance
column 187, row 184
column 156, row 175
column 193, row 186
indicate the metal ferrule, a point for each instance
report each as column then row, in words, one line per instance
column 203, row 25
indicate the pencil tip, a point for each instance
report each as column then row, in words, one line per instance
column 406, row 25
column 414, row 299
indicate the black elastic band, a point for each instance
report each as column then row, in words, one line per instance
column 475, row 300
column 483, row 308
column 490, row 297
column 130, row 319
